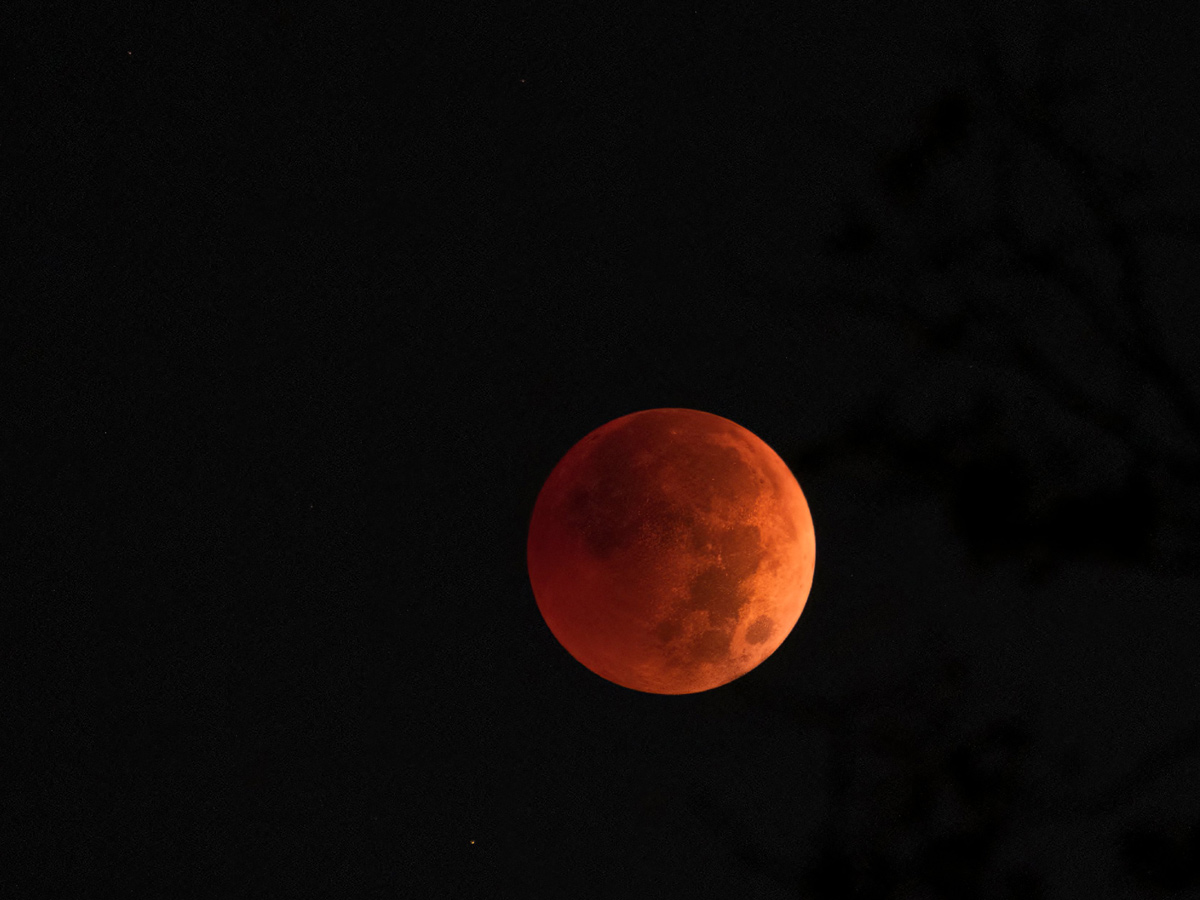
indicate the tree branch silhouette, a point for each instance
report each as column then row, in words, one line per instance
column 994, row 249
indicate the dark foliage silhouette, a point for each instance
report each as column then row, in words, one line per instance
column 1164, row 859
column 920, row 803
column 1049, row 321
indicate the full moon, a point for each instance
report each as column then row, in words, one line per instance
column 671, row 551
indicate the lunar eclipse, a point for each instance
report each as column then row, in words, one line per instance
column 671, row 551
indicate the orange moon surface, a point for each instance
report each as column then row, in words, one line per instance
column 671, row 551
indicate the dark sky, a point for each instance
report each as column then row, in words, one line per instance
column 310, row 302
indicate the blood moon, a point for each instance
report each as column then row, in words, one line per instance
column 671, row 551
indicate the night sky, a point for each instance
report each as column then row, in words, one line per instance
column 306, row 304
